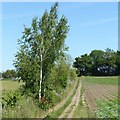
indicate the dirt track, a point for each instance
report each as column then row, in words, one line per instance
column 55, row 108
column 69, row 111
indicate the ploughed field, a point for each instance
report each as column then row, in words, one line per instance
column 101, row 94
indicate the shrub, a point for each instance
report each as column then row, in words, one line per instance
column 44, row 105
column 63, row 81
column 72, row 74
column 49, row 100
column 51, row 97
column 10, row 99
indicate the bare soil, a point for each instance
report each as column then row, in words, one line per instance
column 96, row 91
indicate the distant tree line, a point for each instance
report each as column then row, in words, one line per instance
column 9, row 74
column 98, row 63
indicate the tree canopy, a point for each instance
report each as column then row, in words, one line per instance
column 9, row 74
column 40, row 46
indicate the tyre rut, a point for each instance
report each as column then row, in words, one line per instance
column 69, row 111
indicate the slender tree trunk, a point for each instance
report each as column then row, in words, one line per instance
column 40, row 90
column 41, row 77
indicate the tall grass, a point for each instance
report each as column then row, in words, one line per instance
column 25, row 108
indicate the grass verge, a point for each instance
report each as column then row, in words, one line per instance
column 26, row 107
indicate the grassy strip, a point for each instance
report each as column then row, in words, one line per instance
column 56, row 114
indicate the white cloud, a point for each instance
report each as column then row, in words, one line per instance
column 104, row 21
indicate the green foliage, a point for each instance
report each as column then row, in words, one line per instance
column 49, row 100
column 26, row 92
column 63, row 81
column 72, row 74
column 98, row 63
column 28, row 107
column 63, row 71
column 58, row 80
column 10, row 99
column 83, row 64
column 51, row 97
column 61, row 74
column 118, row 63
column 107, row 109
column 9, row 74
column 40, row 47
column 44, row 105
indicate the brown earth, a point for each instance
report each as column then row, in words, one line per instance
column 96, row 91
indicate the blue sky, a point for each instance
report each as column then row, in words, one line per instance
column 92, row 26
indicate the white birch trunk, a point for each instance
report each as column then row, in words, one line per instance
column 41, row 77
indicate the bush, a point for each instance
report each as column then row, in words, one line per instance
column 49, row 100
column 72, row 74
column 10, row 99
column 63, row 80
column 51, row 97
column 44, row 105
column 27, row 92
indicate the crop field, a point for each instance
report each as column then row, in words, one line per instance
column 9, row 85
column 99, row 91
